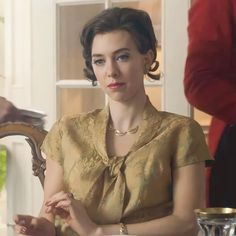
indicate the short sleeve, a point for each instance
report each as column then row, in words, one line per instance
column 52, row 144
column 191, row 145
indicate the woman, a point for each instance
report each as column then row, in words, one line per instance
column 127, row 168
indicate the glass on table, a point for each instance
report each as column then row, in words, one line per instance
column 216, row 221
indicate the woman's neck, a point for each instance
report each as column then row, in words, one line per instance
column 126, row 115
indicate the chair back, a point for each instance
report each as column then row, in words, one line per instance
column 34, row 136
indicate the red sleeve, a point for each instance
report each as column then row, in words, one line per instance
column 210, row 72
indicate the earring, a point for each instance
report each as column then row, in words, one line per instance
column 146, row 77
column 150, row 72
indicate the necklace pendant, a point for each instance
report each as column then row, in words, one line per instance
column 119, row 133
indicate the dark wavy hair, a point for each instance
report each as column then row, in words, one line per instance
column 136, row 22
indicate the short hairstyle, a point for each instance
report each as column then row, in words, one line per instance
column 136, row 22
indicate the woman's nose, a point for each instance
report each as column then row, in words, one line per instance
column 112, row 70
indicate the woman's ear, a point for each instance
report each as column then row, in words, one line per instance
column 148, row 59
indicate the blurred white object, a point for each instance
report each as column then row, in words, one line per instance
column 34, row 117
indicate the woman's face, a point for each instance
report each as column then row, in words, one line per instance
column 118, row 65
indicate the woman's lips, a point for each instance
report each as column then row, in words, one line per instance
column 115, row 85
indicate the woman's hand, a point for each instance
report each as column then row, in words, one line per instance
column 72, row 210
column 29, row 225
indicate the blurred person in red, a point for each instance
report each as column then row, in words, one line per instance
column 210, row 85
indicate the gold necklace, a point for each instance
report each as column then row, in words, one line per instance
column 120, row 133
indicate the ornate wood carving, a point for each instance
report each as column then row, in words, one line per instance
column 34, row 136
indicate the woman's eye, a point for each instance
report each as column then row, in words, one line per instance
column 99, row 62
column 123, row 57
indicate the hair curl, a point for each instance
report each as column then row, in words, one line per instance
column 136, row 22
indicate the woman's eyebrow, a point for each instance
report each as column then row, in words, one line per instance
column 97, row 55
column 121, row 50
column 115, row 52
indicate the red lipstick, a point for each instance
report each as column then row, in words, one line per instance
column 115, row 85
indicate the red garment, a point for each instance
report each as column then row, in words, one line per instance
column 210, row 72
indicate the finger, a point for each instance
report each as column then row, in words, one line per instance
column 61, row 200
column 33, row 227
column 20, row 229
column 65, row 205
column 56, row 197
column 64, row 214
column 50, row 208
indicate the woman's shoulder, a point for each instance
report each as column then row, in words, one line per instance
column 176, row 120
column 79, row 119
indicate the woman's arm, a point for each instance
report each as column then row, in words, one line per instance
column 188, row 194
column 53, row 184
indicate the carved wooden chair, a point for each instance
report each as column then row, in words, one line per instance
column 34, row 136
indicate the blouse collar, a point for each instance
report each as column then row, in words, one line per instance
column 148, row 129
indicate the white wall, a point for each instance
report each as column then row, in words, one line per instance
column 24, row 192
column 175, row 51
column 1, row 47
column 3, row 192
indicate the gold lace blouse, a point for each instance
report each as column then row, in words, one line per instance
column 133, row 188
